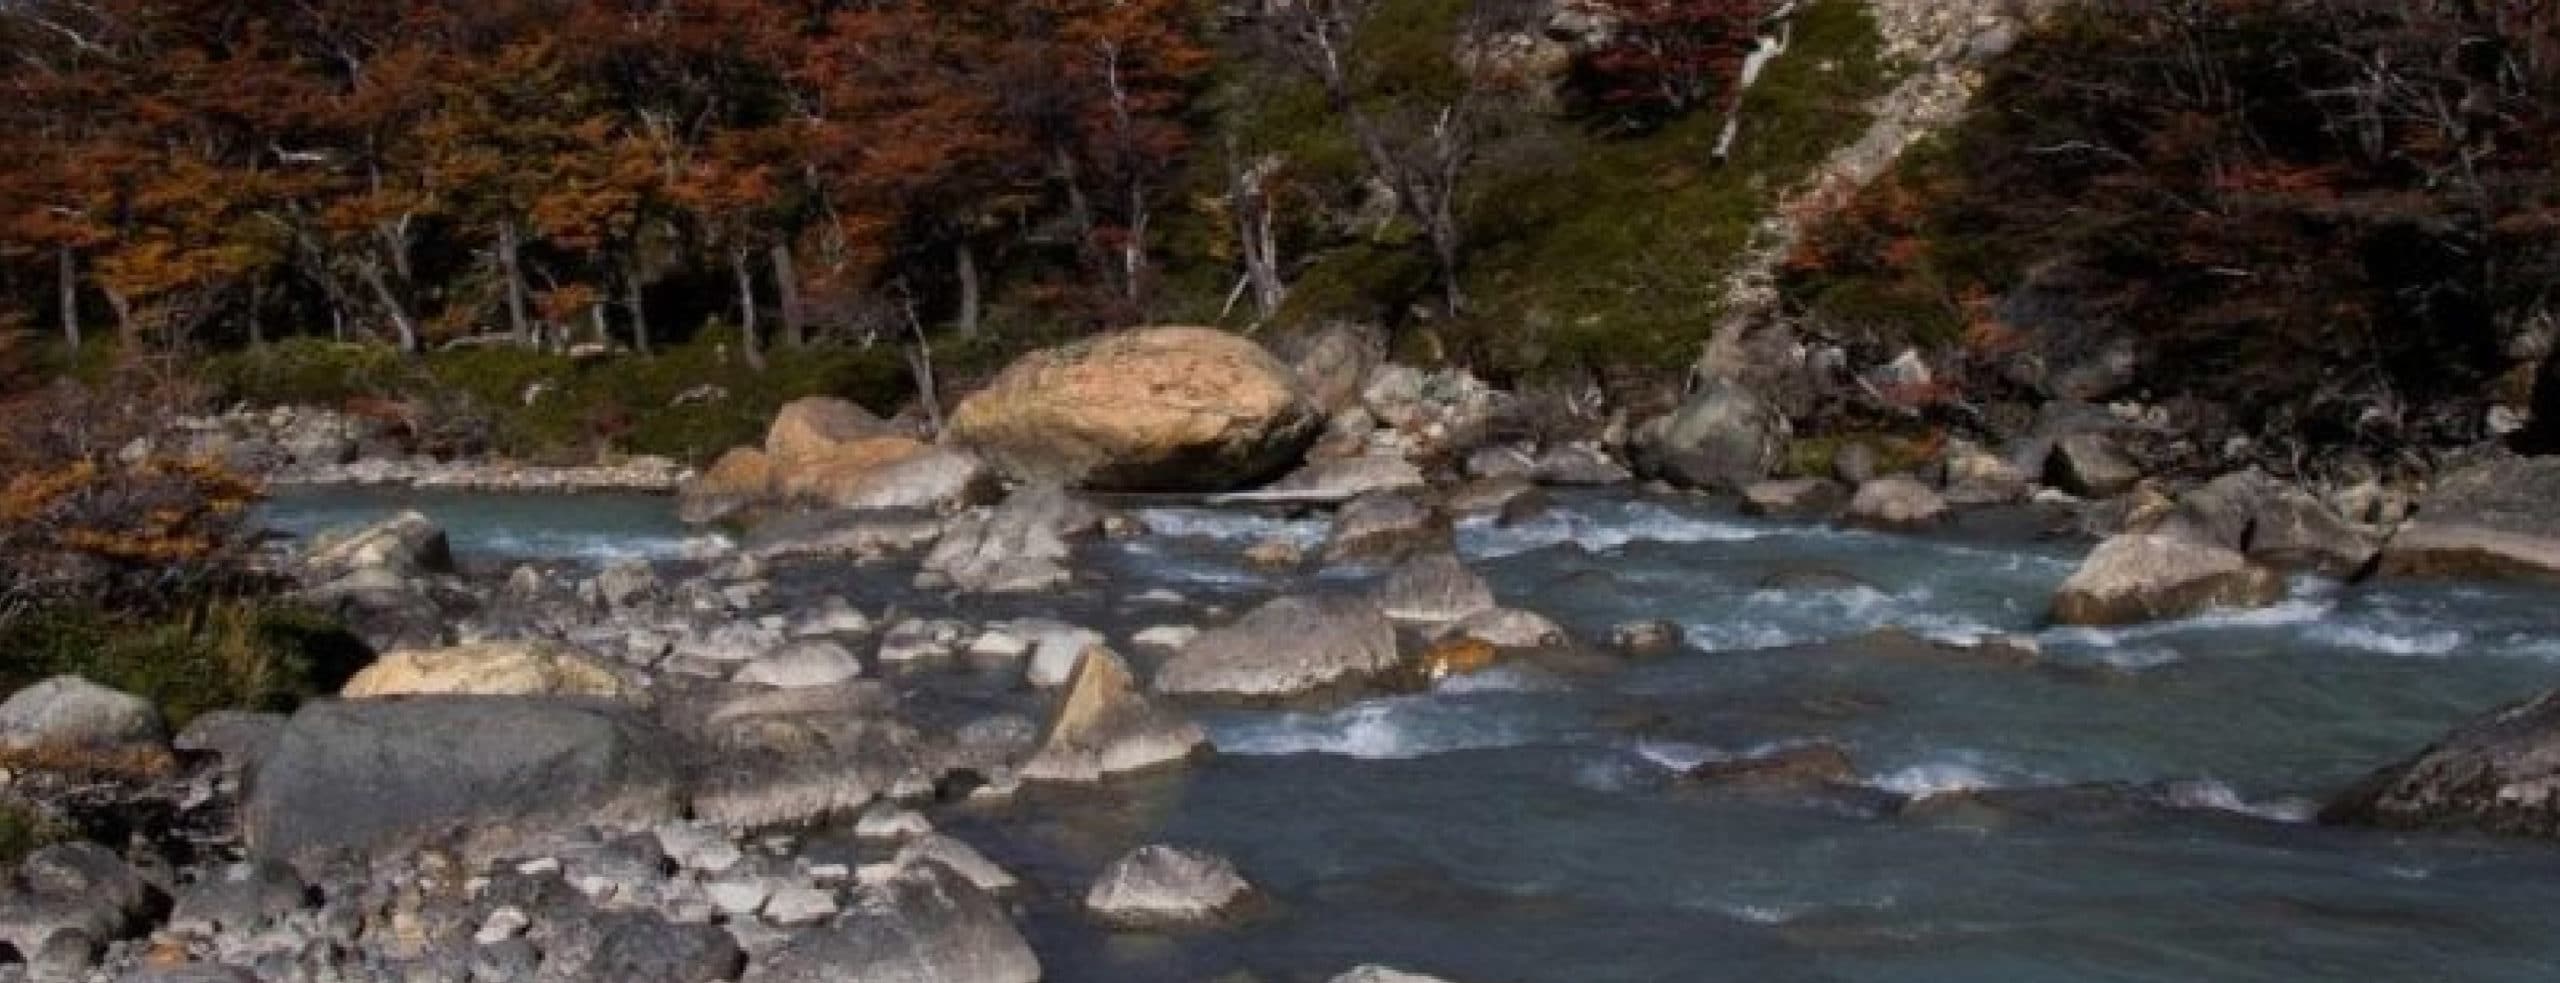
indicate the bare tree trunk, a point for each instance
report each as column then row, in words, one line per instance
column 401, row 325
column 128, row 331
column 70, row 285
column 1250, row 201
column 749, row 345
column 786, row 281
column 965, row 260
column 510, row 266
column 595, row 319
column 920, row 362
column 633, row 302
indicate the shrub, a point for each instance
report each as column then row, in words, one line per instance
column 240, row 653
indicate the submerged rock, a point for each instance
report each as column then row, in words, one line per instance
column 1160, row 887
column 926, row 925
column 1659, row 636
column 2145, row 577
column 2495, row 520
column 495, row 669
column 2497, row 774
column 1158, row 409
column 1289, row 647
column 370, row 777
column 1796, row 766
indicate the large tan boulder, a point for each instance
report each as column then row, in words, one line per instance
column 493, row 669
column 817, row 425
column 2146, row 577
column 1156, row 409
column 826, row 473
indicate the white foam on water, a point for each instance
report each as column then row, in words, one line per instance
column 1392, row 728
column 1640, row 522
column 1680, row 756
column 2295, row 611
column 2137, row 659
column 1732, row 635
column 2410, row 643
column 1953, row 771
column 596, row 547
column 1249, row 527
column 1499, row 679
column 1762, row 914
column 2213, row 795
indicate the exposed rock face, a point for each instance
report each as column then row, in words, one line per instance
column 373, row 776
column 2147, row 577
column 494, row 669
column 1433, row 588
column 926, row 925
column 2496, row 774
column 1106, row 726
column 1725, row 438
column 71, row 712
column 1156, row 887
column 1286, row 648
column 816, row 426
column 1896, row 504
column 1159, row 409
column 2492, row 520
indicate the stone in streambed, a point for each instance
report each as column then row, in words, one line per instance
column 2496, row 774
column 1162, row 887
column 1799, row 766
column 2494, row 520
column 1896, row 504
column 1105, row 725
column 926, row 924
column 2145, row 577
column 1287, row 648
column 1433, row 588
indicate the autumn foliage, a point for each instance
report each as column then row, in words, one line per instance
column 1666, row 57
column 558, row 171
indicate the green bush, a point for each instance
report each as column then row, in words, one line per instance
column 239, row 654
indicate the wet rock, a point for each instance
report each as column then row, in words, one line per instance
column 2493, row 520
column 1017, row 547
column 1660, row 636
column 71, row 712
column 958, row 857
column 495, row 669
column 1158, row 409
column 816, row 426
column 371, row 777
column 1896, row 504
column 1433, row 588
column 1797, row 766
column 1455, row 656
column 740, row 478
column 1106, row 726
column 925, row 925
column 1580, row 465
column 1345, row 478
column 1163, row 887
column 2147, row 577
column 1384, row 526
column 2089, row 465
column 1509, row 628
column 1278, row 554
column 801, row 665
column 408, row 545
column 2496, row 774
column 1798, row 498
column 75, row 887
column 1725, row 438
column 1056, row 647
column 1289, row 647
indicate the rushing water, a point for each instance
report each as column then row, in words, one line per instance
column 2139, row 803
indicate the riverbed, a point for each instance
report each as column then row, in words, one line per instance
column 2134, row 805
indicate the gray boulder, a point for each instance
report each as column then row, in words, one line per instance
column 1383, row 526
column 408, row 545
column 241, row 898
column 2089, row 465
column 2493, row 520
column 1289, row 647
column 1896, row 504
column 1433, row 588
column 2273, row 523
column 2497, row 774
column 1019, row 546
column 1724, row 438
column 80, row 887
column 926, row 925
column 640, row 947
column 371, row 777
column 1159, row 887
column 803, row 664
column 2147, row 577
column 71, row 712
column 1579, row 464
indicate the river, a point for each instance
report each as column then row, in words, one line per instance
column 2134, row 806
